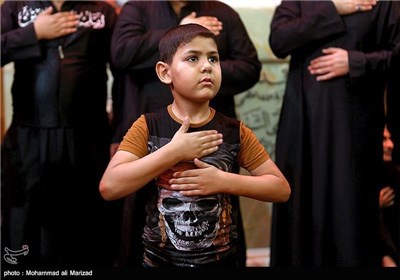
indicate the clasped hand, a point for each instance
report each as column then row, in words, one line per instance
column 191, row 146
column 188, row 146
column 200, row 181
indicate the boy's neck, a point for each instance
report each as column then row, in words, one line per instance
column 195, row 113
column 58, row 4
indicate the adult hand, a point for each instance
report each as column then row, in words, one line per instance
column 211, row 23
column 195, row 144
column 50, row 26
column 334, row 63
column 345, row 7
column 386, row 197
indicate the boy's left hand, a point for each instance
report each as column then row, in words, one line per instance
column 199, row 181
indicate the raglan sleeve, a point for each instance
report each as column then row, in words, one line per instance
column 135, row 140
column 252, row 153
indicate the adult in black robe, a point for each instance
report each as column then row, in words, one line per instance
column 57, row 146
column 329, row 141
column 137, row 89
column 393, row 123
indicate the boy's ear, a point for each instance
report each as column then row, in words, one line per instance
column 162, row 70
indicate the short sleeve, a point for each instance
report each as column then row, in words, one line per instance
column 252, row 153
column 135, row 140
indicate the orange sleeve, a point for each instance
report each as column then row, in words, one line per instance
column 252, row 153
column 135, row 140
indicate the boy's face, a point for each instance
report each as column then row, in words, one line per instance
column 195, row 70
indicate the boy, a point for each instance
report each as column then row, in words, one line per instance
column 191, row 214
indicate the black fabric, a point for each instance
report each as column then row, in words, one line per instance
column 391, row 216
column 390, row 221
column 393, row 101
column 50, row 197
column 48, row 91
column 162, row 128
column 57, row 146
column 329, row 141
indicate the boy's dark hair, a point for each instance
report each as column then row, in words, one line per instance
column 181, row 34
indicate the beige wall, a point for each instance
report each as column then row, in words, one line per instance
column 259, row 108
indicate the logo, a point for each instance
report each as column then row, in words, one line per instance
column 10, row 255
column 88, row 19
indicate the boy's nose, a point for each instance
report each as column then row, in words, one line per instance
column 206, row 67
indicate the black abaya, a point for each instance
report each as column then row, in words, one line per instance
column 330, row 134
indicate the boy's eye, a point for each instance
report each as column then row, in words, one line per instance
column 213, row 59
column 192, row 58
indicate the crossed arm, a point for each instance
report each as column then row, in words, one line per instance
column 127, row 173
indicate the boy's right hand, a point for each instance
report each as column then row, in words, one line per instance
column 50, row 26
column 195, row 144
